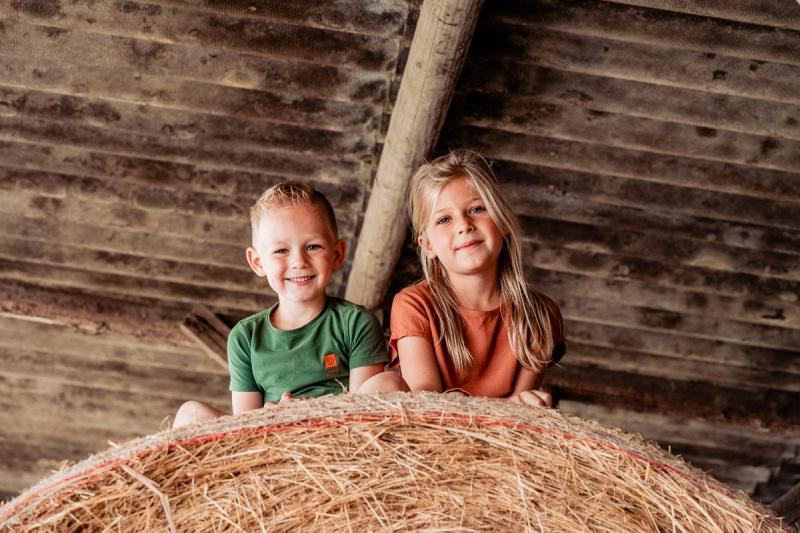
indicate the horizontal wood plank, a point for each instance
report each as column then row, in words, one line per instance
column 648, row 63
column 78, row 49
column 533, row 116
column 707, row 111
column 673, row 29
column 168, row 92
column 153, row 27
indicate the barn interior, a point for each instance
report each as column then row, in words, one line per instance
column 650, row 147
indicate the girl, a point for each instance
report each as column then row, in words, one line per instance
column 472, row 325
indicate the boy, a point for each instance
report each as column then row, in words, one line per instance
column 307, row 344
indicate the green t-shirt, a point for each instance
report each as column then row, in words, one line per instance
column 309, row 361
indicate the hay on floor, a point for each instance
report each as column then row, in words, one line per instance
column 387, row 462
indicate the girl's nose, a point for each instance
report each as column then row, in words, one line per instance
column 465, row 225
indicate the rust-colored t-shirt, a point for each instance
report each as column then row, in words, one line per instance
column 495, row 365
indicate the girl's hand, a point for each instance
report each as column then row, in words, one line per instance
column 533, row 397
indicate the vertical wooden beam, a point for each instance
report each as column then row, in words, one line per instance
column 437, row 53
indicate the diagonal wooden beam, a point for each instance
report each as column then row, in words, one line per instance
column 208, row 332
column 437, row 53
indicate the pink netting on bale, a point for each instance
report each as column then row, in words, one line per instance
column 392, row 462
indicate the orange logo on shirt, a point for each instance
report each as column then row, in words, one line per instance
column 331, row 365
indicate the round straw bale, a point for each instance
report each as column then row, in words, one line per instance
column 387, row 462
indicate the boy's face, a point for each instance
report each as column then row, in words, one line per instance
column 297, row 253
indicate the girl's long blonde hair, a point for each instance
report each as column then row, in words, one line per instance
column 530, row 331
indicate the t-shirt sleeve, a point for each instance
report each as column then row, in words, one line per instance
column 367, row 345
column 409, row 319
column 239, row 362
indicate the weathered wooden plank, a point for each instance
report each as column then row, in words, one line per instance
column 49, row 407
column 533, row 116
column 765, row 408
column 706, row 111
column 78, row 49
column 663, row 273
column 121, row 240
column 383, row 17
column 664, row 198
column 95, row 314
column 739, row 444
column 765, row 12
column 774, row 313
column 131, row 287
column 638, row 61
column 190, row 95
column 602, row 322
column 168, row 125
column 204, row 227
column 25, row 462
column 670, row 29
column 216, row 32
column 104, row 345
column 72, row 165
column 112, row 376
column 156, row 200
column 626, row 359
column 56, row 254
column 177, row 151
column 737, row 270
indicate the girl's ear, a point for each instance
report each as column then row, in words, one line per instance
column 339, row 252
column 254, row 260
column 426, row 246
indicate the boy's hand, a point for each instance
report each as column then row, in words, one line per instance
column 533, row 397
column 286, row 397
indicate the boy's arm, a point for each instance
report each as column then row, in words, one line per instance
column 246, row 401
column 361, row 374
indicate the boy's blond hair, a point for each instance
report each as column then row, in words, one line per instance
column 292, row 194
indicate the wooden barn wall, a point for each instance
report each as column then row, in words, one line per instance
column 133, row 139
column 652, row 153
column 133, row 136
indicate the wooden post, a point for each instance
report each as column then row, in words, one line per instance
column 437, row 53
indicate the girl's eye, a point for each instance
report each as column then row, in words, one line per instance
column 442, row 220
column 477, row 209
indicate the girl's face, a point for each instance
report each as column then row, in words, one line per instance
column 460, row 232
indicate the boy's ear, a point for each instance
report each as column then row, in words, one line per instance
column 254, row 260
column 425, row 245
column 339, row 253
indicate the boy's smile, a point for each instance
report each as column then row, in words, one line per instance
column 297, row 252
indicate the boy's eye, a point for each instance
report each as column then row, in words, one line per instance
column 281, row 251
column 313, row 247
column 442, row 220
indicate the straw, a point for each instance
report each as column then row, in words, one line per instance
column 425, row 462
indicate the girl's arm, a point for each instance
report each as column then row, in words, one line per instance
column 526, row 389
column 246, row 401
column 418, row 364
